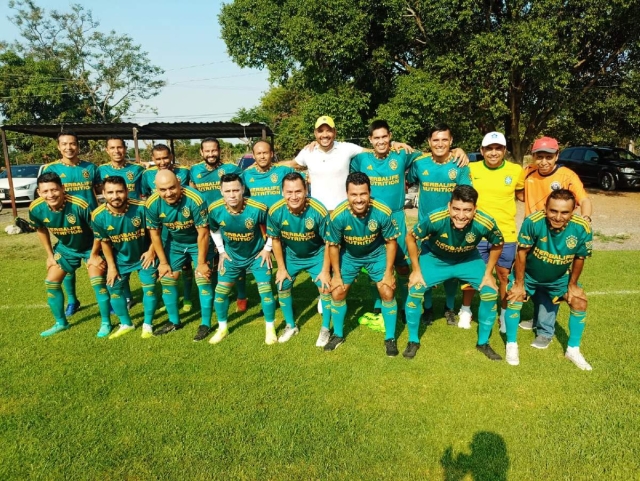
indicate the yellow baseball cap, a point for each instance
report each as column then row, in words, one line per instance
column 325, row 119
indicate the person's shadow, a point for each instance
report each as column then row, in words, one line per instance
column 488, row 460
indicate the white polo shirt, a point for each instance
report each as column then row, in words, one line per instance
column 328, row 171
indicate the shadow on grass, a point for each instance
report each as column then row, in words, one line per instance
column 488, row 461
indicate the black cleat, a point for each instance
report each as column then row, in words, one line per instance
column 411, row 350
column 427, row 317
column 450, row 316
column 334, row 342
column 391, row 347
column 203, row 332
column 489, row 352
column 167, row 328
column 377, row 310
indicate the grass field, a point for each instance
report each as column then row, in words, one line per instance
column 76, row 407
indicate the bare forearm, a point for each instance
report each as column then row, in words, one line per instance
column 576, row 270
column 494, row 255
column 334, row 255
column 391, row 249
column 203, row 244
column 156, row 243
column 586, row 208
column 45, row 240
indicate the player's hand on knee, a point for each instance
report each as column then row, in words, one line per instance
column 112, row 276
column 576, row 297
column 164, row 270
column 221, row 260
column 416, row 279
column 489, row 281
column 325, row 280
column 337, row 283
column 281, row 275
column 266, row 258
column 389, row 280
column 203, row 270
column 147, row 259
column 516, row 293
column 51, row 262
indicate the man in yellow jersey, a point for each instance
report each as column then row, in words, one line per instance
column 497, row 182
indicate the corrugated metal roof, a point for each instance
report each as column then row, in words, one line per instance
column 83, row 131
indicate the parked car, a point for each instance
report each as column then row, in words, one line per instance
column 24, row 183
column 609, row 167
column 475, row 157
column 246, row 161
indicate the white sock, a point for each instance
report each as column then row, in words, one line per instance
column 269, row 325
column 222, row 325
column 502, row 316
column 465, row 309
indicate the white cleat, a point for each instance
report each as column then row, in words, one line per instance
column 526, row 325
column 464, row 319
column 270, row 337
column 575, row 356
column 323, row 337
column 512, row 357
column 218, row 336
column 288, row 333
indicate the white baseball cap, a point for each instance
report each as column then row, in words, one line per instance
column 494, row 138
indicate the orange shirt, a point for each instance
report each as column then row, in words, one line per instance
column 537, row 187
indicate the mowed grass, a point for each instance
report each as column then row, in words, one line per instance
column 77, row 407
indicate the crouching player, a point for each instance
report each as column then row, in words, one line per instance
column 449, row 252
column 238, row 225
column 69, row 219
column 552, row 247
column 121, row 227
column 298, row 226
column 362, row 234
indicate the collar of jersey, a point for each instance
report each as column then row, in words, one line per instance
column 264, row 172
column 504, row 162
column 306, row 204
column 108, row 207
column 556, row 231
column 218, row 164
column 555, row 168
column 244, row 206
column 363, row 215
column 118, row 168
column 64, row 202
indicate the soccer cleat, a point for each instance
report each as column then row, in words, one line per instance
column 489, row 352
column 377, row 311
column 334, row 343
column 427, row 316
column 203, row 332
column 72, row 308
column 512, row 356
column 391, row 347
column 122, row 330
column 526, row 325
column 241, row 305
column 464, row 319
column 55, row 330
column 130, row 303
column 167, row 328
column 218, row 336
column 270, row 336
column 147, row 331
column 575, row 356
column 411, row 350
column 450, row 316
column 541, row 342
column 187, row 306
column 323, row 337
column 288, row 333
column 319, row 305
column 104, row 331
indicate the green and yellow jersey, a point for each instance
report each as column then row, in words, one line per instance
column 148, row 183
column 180, row 220
column 265, row 187
column 131, row 173
column 207, row 182
column 78, row 180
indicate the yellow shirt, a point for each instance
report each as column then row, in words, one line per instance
column 496, row 193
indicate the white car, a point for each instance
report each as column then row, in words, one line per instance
column 24, row 183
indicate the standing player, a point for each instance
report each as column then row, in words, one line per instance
column 438, row 174
column 80, row 179
column 498, row 182
column 120, row 225
column 181, row 212
column 552, row 247
column 298, row 226
column 68, row 218
column 241, row 223
column 362, row 234
column 451, row 236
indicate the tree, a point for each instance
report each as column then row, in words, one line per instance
column 513, row 65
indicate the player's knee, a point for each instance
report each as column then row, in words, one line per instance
column 339, row 294
column 386, row 293
column 578, row 304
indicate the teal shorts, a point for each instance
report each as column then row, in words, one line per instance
column 469, row 270
column 375, row 266
column 179, row 255
column 555, row 290
column 68, row 259
column 402, row 254
column 295, row 265
column 232, row 271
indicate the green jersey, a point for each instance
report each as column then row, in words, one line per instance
column 436, row 182
column 208, row 181
column 387, row 175
column 552, row 252
column 301, row 234
column 242, row 232
column 362, row 236
column 148, row 183
column 71, row 224
column 265, row 187
column 78, row 180
column 131, row 173
column 127, row 233
column 180, row 220
column 447, row 242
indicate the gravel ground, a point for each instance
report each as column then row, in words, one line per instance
column 616, row 218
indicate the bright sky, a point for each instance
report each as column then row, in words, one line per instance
column 203, row 84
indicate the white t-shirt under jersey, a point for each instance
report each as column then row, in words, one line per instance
column 328, row 171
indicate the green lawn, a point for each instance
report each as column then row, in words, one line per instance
column 76, row 407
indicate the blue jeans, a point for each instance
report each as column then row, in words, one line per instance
column 544, row 313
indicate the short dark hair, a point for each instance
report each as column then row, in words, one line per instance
column 441, row 127
column 160, row 147
column 358, row 178
column 113, row 137
column 68, row 133
column 263, row 142
column 50, row 177
column 378, row 124
column 230, row 178
column 292, row 177
column 116, row 180
column 561, row 194
column 465, row 193
column 209, row 139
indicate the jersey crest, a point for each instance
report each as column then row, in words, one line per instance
column 372, row 225
column 186, row 212
column 71, row 218
column 136, row 221
column 130, row 175
column 556, row 185
column 470, row 237
column 249, row 223
column 508, row 180
column 571, row 241
column 309, row 223
column 393, row 164
column 85, row 174
column 274, row 178
column 453, row 173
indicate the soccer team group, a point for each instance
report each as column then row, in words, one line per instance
column 214, row 223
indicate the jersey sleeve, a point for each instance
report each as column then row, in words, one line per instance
column 213, row 223
column 200, row 214
column 389, row 229
column 153, row 221
column 273, row 227
column 494, row 235
column 422, row 230
column 354, row 165
column 576, row 186
column 353, row 149
column 412, row 173
column 586, row 245
column 35, row 222
column 98, row 231
column 527, row 235
column 410, row 159
column 144, row 185
column 334, row 232
column 520, row 179
column 301, row 158
column 464, row 175
column 97, row 179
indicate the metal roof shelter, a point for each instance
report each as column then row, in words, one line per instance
column 153, row 131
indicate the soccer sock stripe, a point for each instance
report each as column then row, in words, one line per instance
column 512, row 319
column 205, row 294
column 286, row 306
column 325, row 299
column 413, row 311
column 577, row 323
column 221, row 303
column 149, row 302
column 170, row 298
column 338, row 313
column 69, row 283
column 486, row 313
column 390, row 315
column 267, row 301
column 450, row 290
column 102, row 296
column 55, row 299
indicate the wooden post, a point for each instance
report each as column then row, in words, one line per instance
column 5, row 150
column 135, row 144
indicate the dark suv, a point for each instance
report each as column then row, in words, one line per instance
column 609, row 167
